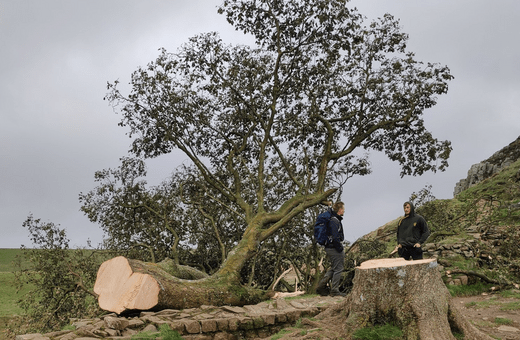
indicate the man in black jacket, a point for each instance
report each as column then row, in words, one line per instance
column 335, row 252
column 412, row 232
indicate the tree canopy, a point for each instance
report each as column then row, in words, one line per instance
column 275, row 128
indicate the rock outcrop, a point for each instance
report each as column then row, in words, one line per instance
column 487, row 168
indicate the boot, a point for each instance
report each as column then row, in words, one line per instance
column 322, row 288
column 337, row 293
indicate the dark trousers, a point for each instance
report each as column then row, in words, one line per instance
column 410, row 252
column 337, row 261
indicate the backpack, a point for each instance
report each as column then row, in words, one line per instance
column 322, row 229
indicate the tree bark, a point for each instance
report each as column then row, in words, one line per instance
column 410, row 294
column 125, row 285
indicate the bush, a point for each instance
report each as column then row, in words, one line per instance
column 58, row 279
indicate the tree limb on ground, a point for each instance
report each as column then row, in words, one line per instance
column 503, row 283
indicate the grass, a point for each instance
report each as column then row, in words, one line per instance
column 8, row 294
column 7, row 256
column 515, row 305
column 503, row 321
column 281, row 333
column 165, row 333
column 510, row 294
column 469, row 290
column 379, row 332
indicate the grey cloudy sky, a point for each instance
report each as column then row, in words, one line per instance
column 56, row 131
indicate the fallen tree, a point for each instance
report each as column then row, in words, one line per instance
column 125, row 285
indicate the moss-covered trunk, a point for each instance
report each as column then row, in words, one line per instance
column 123, row 285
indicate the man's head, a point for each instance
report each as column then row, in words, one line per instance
column 408, row 209
column 339, row 208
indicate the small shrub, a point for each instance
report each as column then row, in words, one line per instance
column 380, row 332
column 57, row 280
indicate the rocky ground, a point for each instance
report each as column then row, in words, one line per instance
column 493, row 314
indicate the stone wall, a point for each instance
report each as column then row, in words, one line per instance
column 205, row 323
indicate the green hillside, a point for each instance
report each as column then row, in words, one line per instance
column 477, row 232
column 7, row 258
column 8, row 292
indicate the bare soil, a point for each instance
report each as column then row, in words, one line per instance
column 495, row 315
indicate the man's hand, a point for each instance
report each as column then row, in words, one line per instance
column 417, row 245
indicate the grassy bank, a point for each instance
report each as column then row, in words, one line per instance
column 8, row 294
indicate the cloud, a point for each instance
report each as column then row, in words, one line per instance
column 56, row 130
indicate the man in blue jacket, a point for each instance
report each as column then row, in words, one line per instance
column 335, row 252
column 412, row 232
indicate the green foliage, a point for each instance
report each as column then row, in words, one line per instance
column 57, row 279
column 378, row 332
column 422, row 197
column 442, row 217
column 511, row 245
column 318, row 87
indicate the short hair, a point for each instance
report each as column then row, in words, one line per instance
column 337, row 206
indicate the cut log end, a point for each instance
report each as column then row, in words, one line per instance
column 390, row 263
column 120, row 288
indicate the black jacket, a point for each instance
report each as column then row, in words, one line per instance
column 412, row 229
column 336, row 232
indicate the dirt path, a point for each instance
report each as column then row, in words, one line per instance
column 494, row 315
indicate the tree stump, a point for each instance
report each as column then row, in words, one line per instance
column 410, row 294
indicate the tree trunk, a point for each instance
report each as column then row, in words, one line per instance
column 124, row 285
column 410, row 294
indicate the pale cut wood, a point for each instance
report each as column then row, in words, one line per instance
column 120, row 288
column 389, row 263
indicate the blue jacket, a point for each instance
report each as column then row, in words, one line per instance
column 336, row 232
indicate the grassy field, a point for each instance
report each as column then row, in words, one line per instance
column 8, row 293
